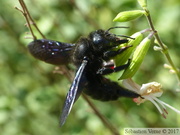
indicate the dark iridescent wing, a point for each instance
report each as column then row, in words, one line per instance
column 74, row 92
column 50, row 51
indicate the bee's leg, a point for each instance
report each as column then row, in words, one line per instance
column 109, row 54
column 108, row 70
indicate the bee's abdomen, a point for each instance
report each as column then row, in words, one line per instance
column 105, row 90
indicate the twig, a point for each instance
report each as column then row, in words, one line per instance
column 103, row 119
column 96, row 111
column 29, row 19
column 65, row 71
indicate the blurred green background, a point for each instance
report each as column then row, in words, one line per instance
column 31, row 95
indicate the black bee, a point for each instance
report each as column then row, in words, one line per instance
column 92, row 56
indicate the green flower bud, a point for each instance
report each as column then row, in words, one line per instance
column 124, row 56
column 137, row 58
column 143, row 3
column 128, row 15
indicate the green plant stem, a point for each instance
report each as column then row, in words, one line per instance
column 164, row 48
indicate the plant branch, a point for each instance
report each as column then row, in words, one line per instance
column 101, row 117
column 65, row 71
column 29, row 19
column 109, row 125
column 164, row 48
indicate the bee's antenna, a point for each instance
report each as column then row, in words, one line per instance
column 119, row 35
column 116, row 27
column 125, row 36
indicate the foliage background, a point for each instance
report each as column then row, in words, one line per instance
column 31, row 96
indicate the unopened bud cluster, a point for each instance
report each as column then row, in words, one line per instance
column 140, row 45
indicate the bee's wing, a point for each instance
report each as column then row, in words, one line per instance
column 53, row 52
column 74, row 92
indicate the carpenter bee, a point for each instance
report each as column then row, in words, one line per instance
column 92, row 56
